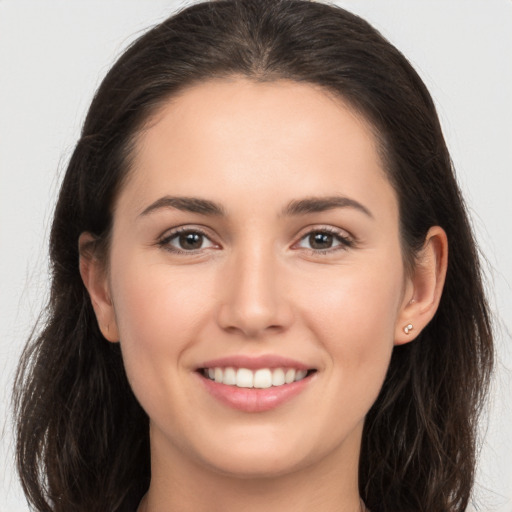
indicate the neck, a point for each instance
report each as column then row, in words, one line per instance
column 179, row 483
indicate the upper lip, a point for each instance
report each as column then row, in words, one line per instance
column 254, row 362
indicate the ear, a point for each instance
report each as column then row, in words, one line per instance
column 95, row 280
column 424, row 287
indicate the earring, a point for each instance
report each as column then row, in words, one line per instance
column 407, row 328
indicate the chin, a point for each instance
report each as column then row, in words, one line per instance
column 260, row 460
column 257, row 467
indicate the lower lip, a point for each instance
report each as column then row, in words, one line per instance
column 255, row 399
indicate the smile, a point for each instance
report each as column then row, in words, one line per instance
column 261, row 378
column 255, row 384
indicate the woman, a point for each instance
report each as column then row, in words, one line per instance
column 252, row 301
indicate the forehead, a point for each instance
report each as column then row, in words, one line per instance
column 225, row 137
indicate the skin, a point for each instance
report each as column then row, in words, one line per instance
column 257, row 287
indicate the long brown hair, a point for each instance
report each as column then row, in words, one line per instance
column 82, row 438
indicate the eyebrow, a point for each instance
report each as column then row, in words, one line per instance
column 296, row 207
column 186, row 204
column 322, row 204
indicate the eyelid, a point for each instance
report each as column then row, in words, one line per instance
column 164, row 239
column 344, row 237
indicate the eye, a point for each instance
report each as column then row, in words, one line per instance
column 186, row 240
column 325, row 240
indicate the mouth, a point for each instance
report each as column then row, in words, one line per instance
column 260, row 378
column 255, row 384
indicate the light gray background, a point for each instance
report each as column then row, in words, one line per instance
column 53, row 55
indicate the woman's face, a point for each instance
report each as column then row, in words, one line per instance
column 257, row 238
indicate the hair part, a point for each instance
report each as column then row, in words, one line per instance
column 82, row 437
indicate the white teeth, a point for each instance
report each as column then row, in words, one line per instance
column 289, row 376
column 262, row 378
column 244, row 378
column 229, row 376
column 278, row 377
column 300, row 374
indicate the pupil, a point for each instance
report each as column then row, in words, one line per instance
column 320, row 240
column 191, row 241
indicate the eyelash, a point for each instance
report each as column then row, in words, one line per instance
column 165, row 241
column 345, row 242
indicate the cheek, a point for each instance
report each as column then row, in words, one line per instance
column 153, row 304
column 158, row 314
column 353, row 315
column 354, row 303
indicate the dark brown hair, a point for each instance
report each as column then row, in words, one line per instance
column 82, row 438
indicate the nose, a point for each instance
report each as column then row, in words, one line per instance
column 253, row 300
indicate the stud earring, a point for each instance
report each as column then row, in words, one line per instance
column 407, row 328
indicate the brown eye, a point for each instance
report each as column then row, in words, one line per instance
column 325, row 240
column 320, row 240
column 186, row 241
column 190, row 241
